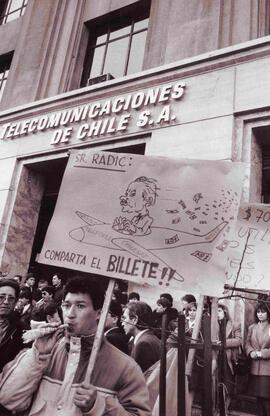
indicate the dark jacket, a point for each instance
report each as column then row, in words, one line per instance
column 58, row 295
column 171, row 314
column 146, row 351
column 10, row 346
column 12, row 343
column 258, row 339
column 118, row 338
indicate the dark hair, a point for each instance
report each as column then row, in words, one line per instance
column 49, row 289
column 19, row 276
column 143, row 312
column 115, row 308
column 88, row 285
column 188, row 298
column 43, row 279
column 59, row 275
column 167, row 296
column 264, row 307
column 11, row 283
column 29, row 275
column 164, row 302
column 38, row 314
column 25, row 293
column 225, row 310
column 134, row 295
column 51, row 308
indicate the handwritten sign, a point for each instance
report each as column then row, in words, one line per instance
column 149, row 220
column 250, row 245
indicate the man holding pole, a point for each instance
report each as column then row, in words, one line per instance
column 51, row 374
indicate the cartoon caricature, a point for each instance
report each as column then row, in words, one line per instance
column 139, row 196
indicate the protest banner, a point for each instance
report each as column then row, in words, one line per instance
column 149, row 220
column 248, row 253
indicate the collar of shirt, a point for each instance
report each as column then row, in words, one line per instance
column 139, row 335
column 109, row 330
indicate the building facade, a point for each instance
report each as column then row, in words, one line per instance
column 176, row 78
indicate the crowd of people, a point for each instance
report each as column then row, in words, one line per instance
column 49, row 371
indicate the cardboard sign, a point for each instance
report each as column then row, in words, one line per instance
column 149, row 220
column 249, row 248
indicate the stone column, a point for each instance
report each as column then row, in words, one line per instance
column 17, row 235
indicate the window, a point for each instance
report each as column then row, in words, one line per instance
column 5, row 62
column 266, row 174
column 12, row 9
column 117, row 47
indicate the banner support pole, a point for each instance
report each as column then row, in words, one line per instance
column 100, row 331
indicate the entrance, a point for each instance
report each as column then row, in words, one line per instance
column 53, row 171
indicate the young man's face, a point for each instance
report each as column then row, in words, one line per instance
column 31, row 281
column 46, row 296
column 79, row 314
column 7, row 300
column 55, row 280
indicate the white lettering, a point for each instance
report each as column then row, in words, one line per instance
column 165, row 93
column 178, row 90
column 164, row 115
column 82, row 132
column 94, row 109
column 123, row 122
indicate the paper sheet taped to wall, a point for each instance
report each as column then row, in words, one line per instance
column 249, row 260
column 149, row 220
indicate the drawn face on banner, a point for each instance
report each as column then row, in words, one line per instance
column 133, row 200
column 139, row 195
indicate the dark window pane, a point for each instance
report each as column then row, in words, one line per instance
column 116, row 56
column 97, row 61
column 136, row 53
column 3, row 80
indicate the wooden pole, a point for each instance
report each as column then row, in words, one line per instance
column 181, row 370
column 100, row 331
column 163, row 368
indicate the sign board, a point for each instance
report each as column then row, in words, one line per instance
column 148, row 220
column 139, row 110
column 250, row 248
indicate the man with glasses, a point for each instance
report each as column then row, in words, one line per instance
column 50, row 376
column 10, row 328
